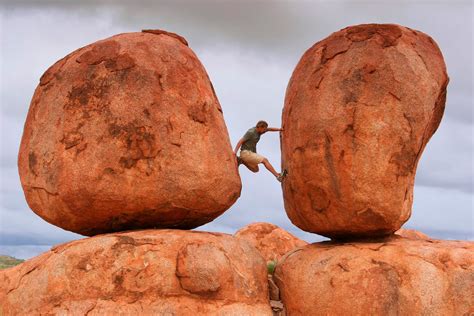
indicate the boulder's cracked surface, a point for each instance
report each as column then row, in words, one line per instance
column 127, row 133
column 359, row 109
column 396, row 276
column 150, row 272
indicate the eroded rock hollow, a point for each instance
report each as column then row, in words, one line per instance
column 127, row 133
column 359, row 109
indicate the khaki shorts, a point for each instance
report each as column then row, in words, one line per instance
column 251, row 158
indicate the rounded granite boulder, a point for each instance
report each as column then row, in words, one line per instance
column 147, row 272
column 359, row 109
column 127, row 133
column 272, row 241
column 386, row 276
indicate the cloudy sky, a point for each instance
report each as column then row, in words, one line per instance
column 249, row 49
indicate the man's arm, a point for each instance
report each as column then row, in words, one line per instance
column 274, row 129
column 241, row 141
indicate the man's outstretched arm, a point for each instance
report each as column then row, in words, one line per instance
column 241, row 141
column 274, row 129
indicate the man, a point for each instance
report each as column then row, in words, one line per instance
column 248, row 149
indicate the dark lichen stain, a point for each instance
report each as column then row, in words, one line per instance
column 109, row 171
column 330, row 164
column 118, row 279
column 199, row 113
column 121, row 62
column 368, row 215
column 128, row 162
column 390, row 301
column 71, row 139
column 404, row 160
column 159, row 78
column 352, row 86
column 89, row 95
column 138, row 140
column 342, row 154
column 32, row 161
column 79, row 94
column 115, row 130
column 82, row 264
column 319, row 199
column 349, row 129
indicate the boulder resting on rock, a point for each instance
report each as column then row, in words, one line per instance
column 127, row 133
column 360, row 108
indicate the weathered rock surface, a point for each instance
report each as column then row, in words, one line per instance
column 397, row 276
column 127, row 133
column 359, row 109
column 411, row 233
column 150, row 272
column 272, row 241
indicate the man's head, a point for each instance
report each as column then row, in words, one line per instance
column 261, row 127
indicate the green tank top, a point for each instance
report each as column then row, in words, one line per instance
column 251, row 139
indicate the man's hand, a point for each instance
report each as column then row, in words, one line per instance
column 237, row 161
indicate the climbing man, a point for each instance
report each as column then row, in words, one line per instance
column 248, row 149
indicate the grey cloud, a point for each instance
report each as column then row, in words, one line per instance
column 280, row 32
column 31, row 239
column 23, row 251
column 35, row 230
column 10, row 142
column 249, row 50
column 447, row 159
column 459, row 106
column 445, row 234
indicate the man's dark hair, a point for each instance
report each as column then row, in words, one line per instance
column 262, row 124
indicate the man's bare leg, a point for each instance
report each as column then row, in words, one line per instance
column 253, row 168
column 270, row 168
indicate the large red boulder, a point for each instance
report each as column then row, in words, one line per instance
column 150, row 272
column 359, row 109
column 272, row 241
column 127, row 133
column 391, row 277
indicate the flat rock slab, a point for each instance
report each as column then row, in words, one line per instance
column 150, row 272
column 397, row 276
column 359, row 109
column 127, row 133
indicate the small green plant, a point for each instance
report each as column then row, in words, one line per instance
column 271, row 265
